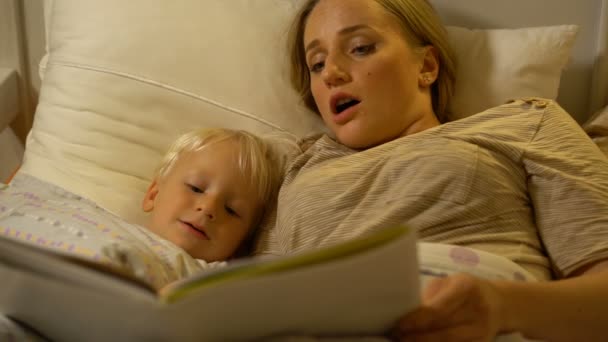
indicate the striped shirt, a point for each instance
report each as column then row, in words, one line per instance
column 521, row 180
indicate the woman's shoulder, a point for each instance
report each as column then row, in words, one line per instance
column 534, row 110
column 529, row 107
column 516, row 121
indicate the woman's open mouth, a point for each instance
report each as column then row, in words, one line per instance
column 343, row 106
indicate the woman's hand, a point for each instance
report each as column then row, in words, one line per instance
column 456, row 308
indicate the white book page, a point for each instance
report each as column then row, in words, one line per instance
column 360, row 295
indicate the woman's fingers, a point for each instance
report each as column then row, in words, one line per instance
column 448, row 294
column 459, row 306
column 421, row 319
column 441, row 300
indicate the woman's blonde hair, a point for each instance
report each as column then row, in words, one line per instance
column 257, row 157
column 422, row 27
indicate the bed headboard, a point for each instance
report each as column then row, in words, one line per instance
column 584, row 86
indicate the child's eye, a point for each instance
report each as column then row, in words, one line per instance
column 231, row 211
column 317, row 67
column 362, row 50
column 195, row 189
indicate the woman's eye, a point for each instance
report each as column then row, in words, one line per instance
column 317, row 67
column 231, row 211
column 363, row 49
column 195, row 189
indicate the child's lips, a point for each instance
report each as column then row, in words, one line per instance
column 196, row 229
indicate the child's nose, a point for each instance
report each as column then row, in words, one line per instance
column 208, row 205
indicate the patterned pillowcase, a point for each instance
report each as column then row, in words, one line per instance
column 35, row 212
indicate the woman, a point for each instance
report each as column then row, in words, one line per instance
column 521, row 180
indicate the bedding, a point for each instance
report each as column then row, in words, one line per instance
column 36, row 212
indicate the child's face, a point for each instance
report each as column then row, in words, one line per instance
column 204, row 204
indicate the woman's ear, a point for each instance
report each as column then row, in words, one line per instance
column 430, row 67
column 148, row 203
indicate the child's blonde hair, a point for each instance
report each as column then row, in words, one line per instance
column 257, row 157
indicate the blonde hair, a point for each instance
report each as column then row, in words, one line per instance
column 257, row 157
column 421, row 25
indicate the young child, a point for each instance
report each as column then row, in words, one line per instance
column 211, row 189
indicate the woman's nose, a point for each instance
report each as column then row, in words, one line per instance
column 208, row 205
column 335, row 73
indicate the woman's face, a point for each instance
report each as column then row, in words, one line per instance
column 367, row 81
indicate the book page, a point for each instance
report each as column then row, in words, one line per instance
column 360, row 287
column 255, row 267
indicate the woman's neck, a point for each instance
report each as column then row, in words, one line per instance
column 423, row 123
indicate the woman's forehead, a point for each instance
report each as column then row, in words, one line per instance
column 330, row 17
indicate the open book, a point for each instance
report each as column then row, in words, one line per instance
column 359, row 287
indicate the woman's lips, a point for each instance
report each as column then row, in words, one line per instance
column 345, row 115
column 339, row 99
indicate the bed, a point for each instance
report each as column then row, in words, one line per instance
column 97, row 63
column 120, row 80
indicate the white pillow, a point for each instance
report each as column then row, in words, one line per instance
column 497, row 65
column 124, row 78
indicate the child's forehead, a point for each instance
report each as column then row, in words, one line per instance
column 224, row 148
column 215, row 160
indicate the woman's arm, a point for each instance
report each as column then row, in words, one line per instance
column 573, row 309
column 464, row 308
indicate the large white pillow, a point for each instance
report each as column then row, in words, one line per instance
column 123, row 78
column 501, row 64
